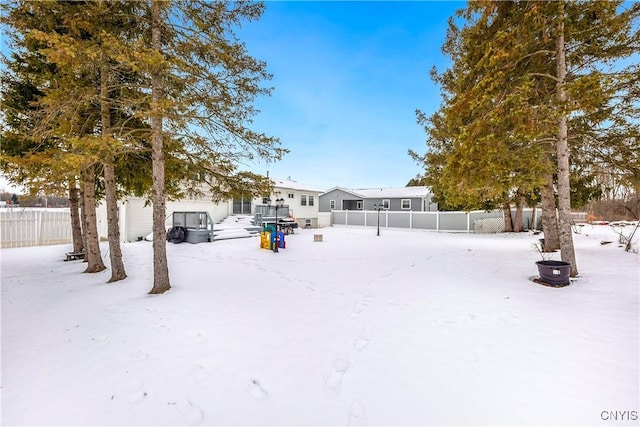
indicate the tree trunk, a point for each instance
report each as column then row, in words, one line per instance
column 92, row 254
column 113, row 227
column 534, row 218
column 567, row 251
column 517, row 226
column 76, row 228
column 508, row 224
column 160, row 268
column 549, row 217
column 83, row 215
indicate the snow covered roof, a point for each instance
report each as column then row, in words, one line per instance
column 294, row 185
column 394, row 192
column 388, row 192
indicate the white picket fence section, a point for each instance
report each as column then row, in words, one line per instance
column 27, row 227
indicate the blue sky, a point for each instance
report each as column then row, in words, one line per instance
column 348, row 77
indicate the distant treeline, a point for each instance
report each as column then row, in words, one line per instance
column 35, row 201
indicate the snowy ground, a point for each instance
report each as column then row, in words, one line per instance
column 409, row 328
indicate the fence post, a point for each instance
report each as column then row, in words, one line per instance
column 386, row 219
column 438, row 221
column 36, row 228
column 468, row 222
column 365, row 218
column 410, row 220
column 346, row 217
column 41, row 220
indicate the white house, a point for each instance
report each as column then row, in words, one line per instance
column 302, row 200
column 136, row 216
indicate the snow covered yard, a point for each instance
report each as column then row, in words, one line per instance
column 409, row 328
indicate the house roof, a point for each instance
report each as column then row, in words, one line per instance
column 386, row 193
column 394, row 192
column 294, row 185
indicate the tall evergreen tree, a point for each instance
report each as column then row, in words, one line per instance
column 40, row 159
column 203, row 86
column 68, row 37
column 562, row 147
column 161, row 282
column 522, row 73
column 167, row 81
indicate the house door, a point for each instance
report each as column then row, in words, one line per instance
column 242, row 206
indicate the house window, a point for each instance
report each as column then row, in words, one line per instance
column 406, row 204
column 307, row 223
column 359, row 205
column 266, row 201
column 290, row 195
column 332, row 204
column 310, row 200
column 386, row 203
column 303, row 200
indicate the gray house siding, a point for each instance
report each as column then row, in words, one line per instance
column 345, row 200
column 395, row 204
column 339, row 196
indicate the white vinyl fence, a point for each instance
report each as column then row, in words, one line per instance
column 26, row 227
column 474, row 221
column 324, row 219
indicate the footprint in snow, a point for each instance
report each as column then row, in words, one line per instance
column 198, row 338
column 333, row 381
column 138, row 354
column 357, row 309
column 101, row 340
column 362, row 341
column 162, row 325
column 357, row 415
column 256, row 390
column 190, row 412
column 200, row 373
column 134, row 391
